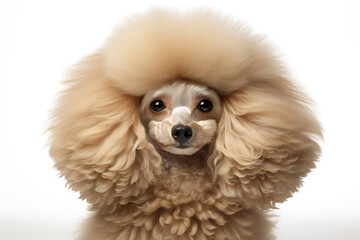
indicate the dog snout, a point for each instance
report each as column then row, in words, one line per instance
column 181, row 133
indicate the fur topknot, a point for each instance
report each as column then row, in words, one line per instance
column 266, row 140
column 200, row 46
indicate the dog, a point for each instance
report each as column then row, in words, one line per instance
column 183, row 126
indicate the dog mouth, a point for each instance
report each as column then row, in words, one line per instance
column 177, row 148
column 182, row 147
column 176, row 156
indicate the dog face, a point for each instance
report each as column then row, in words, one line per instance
column 181, row 117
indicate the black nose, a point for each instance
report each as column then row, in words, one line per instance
column 181, row 133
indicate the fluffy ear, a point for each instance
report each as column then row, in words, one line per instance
column 266, row 143
column 97, row 140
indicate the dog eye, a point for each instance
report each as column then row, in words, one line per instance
column 205, row 105
column 157, row 106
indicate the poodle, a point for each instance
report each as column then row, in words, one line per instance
column 183, row 126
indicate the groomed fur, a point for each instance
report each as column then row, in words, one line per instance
column 265, row 143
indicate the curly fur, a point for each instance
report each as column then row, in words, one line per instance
column 266, row 138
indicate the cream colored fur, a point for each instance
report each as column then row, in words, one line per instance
column 266, row 139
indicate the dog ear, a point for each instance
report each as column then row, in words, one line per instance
column 97, row 140
column 266, row 143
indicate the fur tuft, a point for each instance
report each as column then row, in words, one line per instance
column 200, row 46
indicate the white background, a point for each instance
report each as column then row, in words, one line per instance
column 39, row 40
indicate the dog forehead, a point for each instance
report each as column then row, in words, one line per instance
column 181, row 93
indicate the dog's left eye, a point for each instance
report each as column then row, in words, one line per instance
column 157, row 106
column 205, row 105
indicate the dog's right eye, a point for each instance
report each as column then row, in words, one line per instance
column 157, row 106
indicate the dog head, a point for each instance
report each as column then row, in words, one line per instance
column 127, row 103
